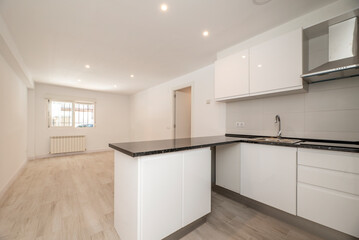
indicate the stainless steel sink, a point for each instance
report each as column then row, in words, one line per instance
column 273, row 139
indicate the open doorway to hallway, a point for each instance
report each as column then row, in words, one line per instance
column 182, row 112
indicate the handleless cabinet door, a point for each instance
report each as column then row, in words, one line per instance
column 268, row 175
column 175, row 190
column 232, row 76
column 196, row 184
column 276, row 65
column 161, row 195
column 331, row 208
column 228, row 166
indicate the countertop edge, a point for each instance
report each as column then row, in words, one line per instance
column 302, row 139
column 160, row 151
column 298, row 145
column 244, row 139
column 122, row 150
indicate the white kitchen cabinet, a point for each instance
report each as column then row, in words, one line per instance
column 228, row 166
column 268, row 175
column 161, row 205
column 271, row 67
column 196, row 185
column 331, row 160
column 328, row 189
column 276, row 65
column 157, row 195
column 232, row 76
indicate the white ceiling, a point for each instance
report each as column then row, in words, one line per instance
column 117, row 38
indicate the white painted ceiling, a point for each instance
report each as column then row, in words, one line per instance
column 117, row 38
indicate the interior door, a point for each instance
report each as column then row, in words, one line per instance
column 182, row 114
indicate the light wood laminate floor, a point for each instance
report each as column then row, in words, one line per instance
column 72, row 198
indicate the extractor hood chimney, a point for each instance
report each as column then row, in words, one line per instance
column 342, row 53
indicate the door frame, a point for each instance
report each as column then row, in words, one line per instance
column 173, row 91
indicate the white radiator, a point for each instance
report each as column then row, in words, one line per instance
column 67, row 144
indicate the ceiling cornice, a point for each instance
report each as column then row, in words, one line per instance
column 11, row 55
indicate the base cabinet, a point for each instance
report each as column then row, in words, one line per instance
column 157, row 195
column 228, row 166
column 268, row 175
column 328, row 189
column 330, row 208
column 319, row 185
column 161, row 195
column 196, row 190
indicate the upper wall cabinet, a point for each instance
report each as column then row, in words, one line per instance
column 232, row 76
column 272, row 67
column 276, row 65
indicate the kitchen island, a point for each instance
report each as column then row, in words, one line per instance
column 163, row 188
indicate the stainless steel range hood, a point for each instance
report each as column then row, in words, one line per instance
column 343, row 57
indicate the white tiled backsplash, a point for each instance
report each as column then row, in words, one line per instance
column 329, row 110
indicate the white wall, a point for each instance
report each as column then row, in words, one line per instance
column 13, row 124
column 152, row 109
column 112, row 118
column 330, row 110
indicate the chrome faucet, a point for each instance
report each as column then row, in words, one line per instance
column 277, row 120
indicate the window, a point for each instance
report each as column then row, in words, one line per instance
column 71, row 114
column 61, row 114
column 84, row 114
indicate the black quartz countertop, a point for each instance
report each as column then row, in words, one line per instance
column 332, row 145
column 136, row 149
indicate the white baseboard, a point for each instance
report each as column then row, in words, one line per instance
column 17, row 173
column 68, row 154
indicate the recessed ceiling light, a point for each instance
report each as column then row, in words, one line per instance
column 87, row 66
column 259, row 65
column 79, row 80
column 244, row 56
column 164, row 7
column 205, row 33
column 260, row 2
column 132, row 76
column 115, row 86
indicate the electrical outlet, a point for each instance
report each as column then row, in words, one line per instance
column 240, row 124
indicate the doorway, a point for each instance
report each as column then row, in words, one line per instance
column 182, row 112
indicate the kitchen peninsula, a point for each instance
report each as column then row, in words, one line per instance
column 162, row 188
